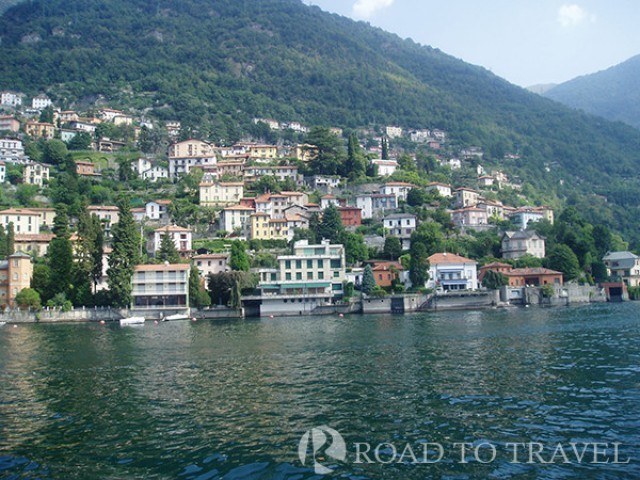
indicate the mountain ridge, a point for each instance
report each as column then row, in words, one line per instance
column 612, row 93
column 216, row 64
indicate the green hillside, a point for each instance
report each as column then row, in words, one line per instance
column 216, row 64
column 613, row 93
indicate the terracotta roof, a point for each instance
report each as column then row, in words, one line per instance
column 532, row 271
column 36, row 237
column 172, row 228
column 446, row 258
column 102, row 207
column 211, row 256
column 385, row 266
column 18, row 211
column 239, row 207
column 398, row 184
column 495, row 265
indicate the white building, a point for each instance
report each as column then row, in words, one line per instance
column 158, row 211
column 329, row 200
column 236, row 218
column 312, row 276
column 220, row 194
column 211, row 264
column 401, row 225
column 35, row 174
column 11, row 99
column 449, row 272
column 181, row 239
column 375, row 204
column 40, row 102
column 623, row 265
column 23, row 219
column 399, row 189
column 189, row 153
column 385, row 167
column 443, row 189
column 523, row 242
column 521, row 217
column 161, row 286
column 11, row 150
column 393, row 132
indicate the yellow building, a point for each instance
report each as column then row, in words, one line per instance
column 40, row 130
column 35, row 174
column 15, row 274
column 214, row 194
column 265, row 228
column 262, row 152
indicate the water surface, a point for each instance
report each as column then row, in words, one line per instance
column 232, row 400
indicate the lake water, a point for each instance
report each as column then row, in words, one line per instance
column 205, row 400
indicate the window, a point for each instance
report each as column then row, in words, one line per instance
column 336, row 274
column 309, row 275
column 309, row 263
column 298, row 263
column 336, row 263
column 320, row 263
column 287, row 264
column 320, row 275
column 299, row 276
column 287, row 276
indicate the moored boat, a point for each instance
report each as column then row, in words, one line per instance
column 177, row 316
column 132, row 321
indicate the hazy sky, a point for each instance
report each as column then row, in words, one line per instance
column 527, row 42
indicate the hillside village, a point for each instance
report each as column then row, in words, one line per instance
column 287, row 214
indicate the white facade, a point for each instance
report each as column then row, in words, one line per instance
column 311, row 277
column 35, row 174
column 11, row 99
column 522, row 217
column 158, row 286
column 236, row 218
column 158, row 210
column 375, row 204
column 385, row 167
column 24, row 220
column 211, row 264
column 442, row 188
column 450, row 272
column 214, row 194
column 328, row 200
column 11, row 150
column 399, row 189
column 518, row 244
column 3, row 171
column 40, row 102
column 393, row 132
column 181, row 239
column 401, row 225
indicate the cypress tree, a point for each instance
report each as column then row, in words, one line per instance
column 124, row 256
column 97, row 252
column 239, row 260
column 194, row 286
column 3, row 243
column 355, row 166
column 368, row 280
column 167, row 251
column 60, row 256
column 330, row 227
column 11, row 238
column 385, row 149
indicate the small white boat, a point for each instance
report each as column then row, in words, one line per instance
column 132, row 321
column 177, row 316
column 2, row 324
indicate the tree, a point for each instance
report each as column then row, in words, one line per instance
column 355, row 165
column 55, row 152
column 60, row 256
column 330, row 157
column 417, row 197
column 3, row 243
column 330, row 227
column 392, row 248
column 368, row 280
column 494, row 280
column 125, row 244
column 97, row 253
column 430, row 235
column 168, row 251
column 562, row 259
column 266, row 183
column 194, row 286
column 418, row 265
column 11, row 240
column 46, row 115
column 80, row 141
column 28, row 298
column 385, row 148
column 239, row 260
column 355, row 250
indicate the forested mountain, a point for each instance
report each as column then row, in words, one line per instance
column 216, row 64
column 613, row 93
